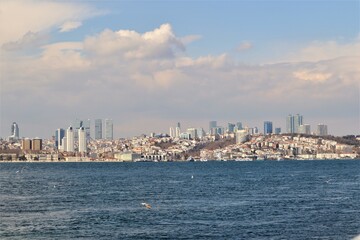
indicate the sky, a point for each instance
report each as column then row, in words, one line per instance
column 150, row 64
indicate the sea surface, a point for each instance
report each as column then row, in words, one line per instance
column 189, row 200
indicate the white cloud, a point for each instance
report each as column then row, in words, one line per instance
column 29, row 40
column 312, row 76
column 69, row 26
column 24, row 16
column 159, row 43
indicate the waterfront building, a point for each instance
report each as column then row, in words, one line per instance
column 59, row 134
column 304, row 129
column 268, row 127
column 109, row 129
column 322, row 129
column 82, row 140
column 64, row 144
column 98, row 129
column 36, row 144
column 70, row 139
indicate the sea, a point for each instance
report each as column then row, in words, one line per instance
column 181, row 200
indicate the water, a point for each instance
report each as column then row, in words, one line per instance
column 193, row 200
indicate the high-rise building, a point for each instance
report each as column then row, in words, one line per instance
column 82, row 140
column 177, row 132
column 86, row 125
column 212, row 125
column 304, row 129
column 172, row 132
column 293, row 123
column 178, row 125
column 64, row 144
column 98, row 129
column 277, row 130
column 201, row 133
column 36, row 144
column 14, row 131
column 239, row 126
column 231, row 127
column 59, row 134
column 268, row 127
column 192, row 132
column 26, row 144
column 322, row 129
column 109, row 129
column 77, row 124
column 70, row 139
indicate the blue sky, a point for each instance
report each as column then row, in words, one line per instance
column 150, row 64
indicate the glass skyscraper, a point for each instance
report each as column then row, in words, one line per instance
column 98, row 129
column 59, row 134
column 293, row 123
column 268, row 127
column 109, row 129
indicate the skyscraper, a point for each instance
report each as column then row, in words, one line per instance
column 293, row 123
column 212, row 125
column 231, row 127
column 239, row 126
column 14, row 130
column 322, row 129
column 304, row 129
column 70, row 139
column 59, row 134
column 172, row 133
column 82, row 140
column 268, row 127
column 109, row 129
column 98, row 129
column 277, row 130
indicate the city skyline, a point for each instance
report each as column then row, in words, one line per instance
column 189, row 62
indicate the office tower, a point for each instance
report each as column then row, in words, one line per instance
column 212, row 125
column 109, row 129
column 36, row 144
column 178, row 125
column 293, row 123
column 14, row 130
column 239, row 126
column 201, row 133
column 268, row 127
column 231, row 127
column 242, row 136
column 290, row 124
column 304, row 129
column 172, row 132
column 322, row 129
column 98, row 129
column 177, row 132
column 59, row 134
column 86, row 125
column 26, row 144
column 192, row 132
column 64, row 144
column 278, row 130
column 82, row 140
column 298, row 120
column 70, row 139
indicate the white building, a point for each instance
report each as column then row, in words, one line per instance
column 82, row 140
column 70, row 139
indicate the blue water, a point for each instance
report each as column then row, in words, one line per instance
column 193, row 200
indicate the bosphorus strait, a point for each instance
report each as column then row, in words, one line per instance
column 189, row 200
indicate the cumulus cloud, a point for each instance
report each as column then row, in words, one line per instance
column 312, row 76
column 159, row 43
column 69, row 26
column 29, row 40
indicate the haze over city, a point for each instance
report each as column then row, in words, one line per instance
column 150, row 64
